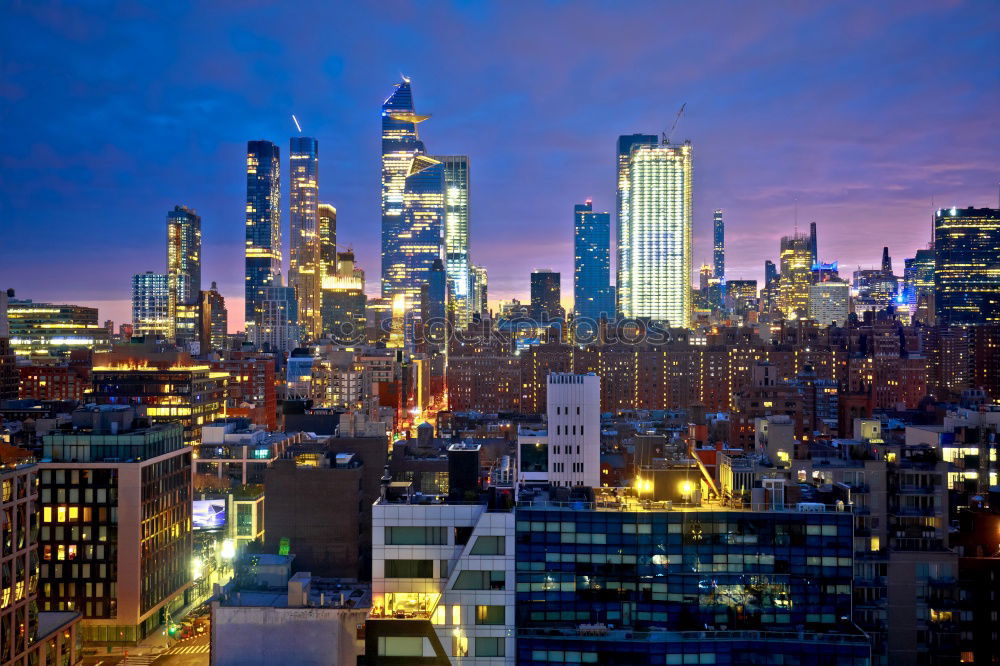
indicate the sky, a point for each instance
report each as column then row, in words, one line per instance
column 859, row 116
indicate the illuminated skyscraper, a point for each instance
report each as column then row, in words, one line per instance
column 183, row 261
column 278, row 330
column 545, row 296
column 719, row 246
column 456, row 235
column 625, row 145
column 263, row 226
column 592, row 295
column 918, row 278
column 304, row 272
column 327, row 215
column 796, row 276
column 657, row 276
column 151, row 305
column 479, row 290
column 344, row 302
column 967, row 265
column 413, row 206
column 813, row 248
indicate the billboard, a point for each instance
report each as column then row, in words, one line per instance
column 208, row 514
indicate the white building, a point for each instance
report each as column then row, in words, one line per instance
column 442, row 583
column 829, row 303
column 574, row 433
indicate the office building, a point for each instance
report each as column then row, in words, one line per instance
column 305, row 254
column 413, row 205
column 151, row 305
column 593, row 298
column 658, row 254
column 344, row 300
column 327, row 222
column 278, row 328
column 456, row 237
column 741, row 296
column 796, row 276
column 28, row 637
column 719, row 246
column 263, row 227
column 813, row 249
column 49, row 329
column 183, row 268
column 545, row 296
column 829, row 303
column 918, row 281
column 213, row 329
column 115, row 537
column 624, row 155
column 480, row 291
column 967, row 265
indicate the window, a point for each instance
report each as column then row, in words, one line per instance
column 416, row 536
column 479, row 580
column 488, row 646
column 488, row 545
column 459, row 646
column 409, row 568
column 490, row 614
column 401, row 646
column 462, row 535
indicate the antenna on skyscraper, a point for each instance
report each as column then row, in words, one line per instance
column 670, row 134
column 296, row 121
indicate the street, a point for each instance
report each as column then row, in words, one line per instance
column 191, row 652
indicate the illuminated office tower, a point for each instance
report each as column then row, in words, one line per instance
column 625, row 145
column 327, row 216
column 918, row 279
column 304, row 246
column 479, row 289
column 592, row 295
column 413, row 206
column 545, row 296
column 813, row 248
column 658, row 234
column 829, row 302
column 796, row 276
column 183, row 262
column 263, row 225
column 456, row 235
column 719, row 246
column 151, row 305
column 344, row 302
column 967, row 265
column 278, row 328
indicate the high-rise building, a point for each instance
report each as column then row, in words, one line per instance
column 413, row 205
column 886, row 261
column 796, row 276
column 592, row 295
column 573, row 406
column 829, row 302
column 214, row 321
column 263, row 226
column 115, row 538
column 770, row 272
column 918, row 278
column 278, row 329
column 545, row 296
column 344, row 302
column 479, row 290
column 719, row 246
column 456, row 236
column 151, row 305
column 8, row 359
column 741, row 296
column 624, row 156
column 657, row 273
column 327, row 216
column 813, row 248
column 967, row 265
column 183, row 260
column 305, row 255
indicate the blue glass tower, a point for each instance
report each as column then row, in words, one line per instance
column 263, row 225
column 719, row 246
column 592, row 296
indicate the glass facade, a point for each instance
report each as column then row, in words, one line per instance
column 305, row 256
column 327, row 216
column 624, row 157
column 151, row 305
column 718, row 246
column 796, row 276
column 456, row 236
column 545, row 296
column 183, row 260
column 263, row 225
column 967, row 265
column 592, row 295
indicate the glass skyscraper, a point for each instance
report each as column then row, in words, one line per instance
column 796, row 276
column 545, row 296
column 263, row 226
column 183, row 261
column 719, row 246
column 151, row 305
column 967, row 265
column 657, row 234
column 413, row 204
column 592, row 295
column 625, row 145
column 305, row 261
column 327, row 216
column 456, row 235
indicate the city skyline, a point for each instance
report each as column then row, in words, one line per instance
column 895, row 154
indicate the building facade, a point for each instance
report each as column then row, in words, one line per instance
column 967, row 265
column 327, row 223
column 151, row 305
column 623, row 164
column 796, row 276
column 456, row 236
column 263, row 227
column 593, row 298
column 305, row 252
column 183, row 265
column 545, row 296
column 829, row 303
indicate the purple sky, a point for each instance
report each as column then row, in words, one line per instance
column 860, row 112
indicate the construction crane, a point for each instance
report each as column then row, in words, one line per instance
column 667, row 136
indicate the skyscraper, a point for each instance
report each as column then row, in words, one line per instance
column 886, row 261
column 456, row 235
column 592, row 295
column 183, row 261
column 305, row 257
column 151, row 305
column 479, row 290
column 813, row 249
column 327, row 215
column 625, row 145
column 278, row 328
column 545, row 296
column 719, row 246
column 214, row 320
column 967, row 265
column 657, row 272
column 344, row 302
column 263, row 226
column 770, row 272
column 413, row 206
column 796, row 276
